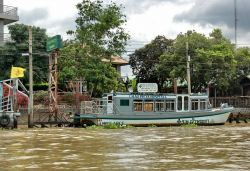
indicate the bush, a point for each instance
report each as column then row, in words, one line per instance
column 38, row 87
column 41, row 96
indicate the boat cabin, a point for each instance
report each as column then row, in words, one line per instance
column 141, row 103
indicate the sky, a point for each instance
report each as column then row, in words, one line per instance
column 146, row 19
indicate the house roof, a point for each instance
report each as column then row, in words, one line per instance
column 116, row 60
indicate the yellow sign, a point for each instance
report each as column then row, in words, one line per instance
column 17, row 72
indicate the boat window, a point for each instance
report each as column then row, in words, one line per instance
column 124, row 102
column 186, row 103
column 195, row 104
column 170, row 105
column 138, row 105
column 148, row 106
column 110, row 98
column 179, row 103
column 203, row 104
column 159, row 106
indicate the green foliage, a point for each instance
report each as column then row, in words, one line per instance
column 121, row 87
column 11, row 52
column 99, row 26
column 173, row 65
column 144, row 60
column 242, row 57
column 99, row 35
column 110, row 126
column 212, row 61
column 41, row 86
column 75, row 63
column 134, row 85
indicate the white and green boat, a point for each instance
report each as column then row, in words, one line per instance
column 140, row 109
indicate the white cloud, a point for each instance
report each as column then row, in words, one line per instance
column 158, row 20
column 57, row 13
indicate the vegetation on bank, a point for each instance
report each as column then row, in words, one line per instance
column 214, row 62
column 189, row 125
column 120, row 126
column 110, row 126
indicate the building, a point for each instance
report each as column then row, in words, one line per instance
column 117, row 62
column 8, row 15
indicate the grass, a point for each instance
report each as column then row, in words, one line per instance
column 110, row 126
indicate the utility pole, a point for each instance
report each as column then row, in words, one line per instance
column 235, row 23
column 188, row 70
column 30, row 116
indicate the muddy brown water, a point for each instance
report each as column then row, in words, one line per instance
column 148, row 148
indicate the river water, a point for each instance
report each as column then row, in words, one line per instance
column 148, row 148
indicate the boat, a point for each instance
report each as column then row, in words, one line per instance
column 147, row 108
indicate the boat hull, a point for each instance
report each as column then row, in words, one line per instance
column 205, row 118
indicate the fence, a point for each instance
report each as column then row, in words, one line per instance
column 237, row 101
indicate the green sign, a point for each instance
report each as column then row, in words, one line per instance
column 54, row 43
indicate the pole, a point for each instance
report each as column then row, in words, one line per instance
column 1, row 24
column 188, row 70
column 235, row 23
column 15, row 88
column 30, row 116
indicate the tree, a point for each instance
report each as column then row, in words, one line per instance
column 99, row 26
column 173, row 64
column 221, row 61
column 11, row 52
column 212, row 60
column 242, row 58
column 99, row 34
column 143, row 61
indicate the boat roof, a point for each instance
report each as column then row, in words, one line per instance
column 137, row 94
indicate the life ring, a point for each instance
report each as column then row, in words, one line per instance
column 4, row 120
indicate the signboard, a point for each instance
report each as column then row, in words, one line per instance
column 147, row 87
column 54, row 43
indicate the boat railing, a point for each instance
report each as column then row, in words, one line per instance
column 6, row 103
column 93, row 107
column 97, row 106
column 116, row 110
